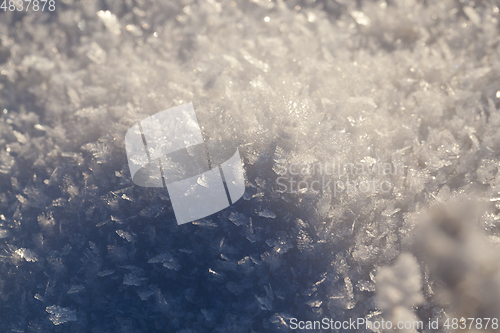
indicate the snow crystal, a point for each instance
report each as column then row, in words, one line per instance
column 125, row 235
column 27, row 254
column 96, row 53
column 132, row 279
column 161, row 258
column 105, row 272
column 266, row 301
column 267, row 214
column 60, row 315
column 6, row 162
column 399, row 285
column 145, row 294
column 4, row 234
column 238, row 218
column 75, row 289
column 110, row 21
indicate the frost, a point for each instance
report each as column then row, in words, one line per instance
column 27, row 254
column 239, row 219
column 280, row 161
column 110, row 21
column 41, row 64
column 125, row 235
column 96, row 53
column 401, row 284
column 4, row 233
column 105, row 272
column 75, row 289
column 161, row 258
column 472, row 15
column 267, row 214
column 173, row 265
column 399, row 289
column 266, row 301
column 6, row 162
column 132, row 279
column 205, row 223
column 235, row 288
column 360, row 17
column 254, row 61
column 59, row 315
column 343, row 295
column 455, row 250
column 46, row 220
column 365, row 286
column 304, row 241
column 145, row 294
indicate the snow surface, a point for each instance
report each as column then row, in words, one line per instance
column 300, row 83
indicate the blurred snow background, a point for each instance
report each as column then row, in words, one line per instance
column 412, row 82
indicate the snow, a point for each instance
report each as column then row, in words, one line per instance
column 60, row 315
column 295, row 85
column 399, row 289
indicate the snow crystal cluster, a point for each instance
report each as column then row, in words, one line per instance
column 299, row 86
